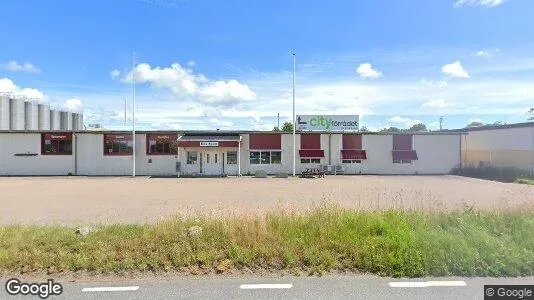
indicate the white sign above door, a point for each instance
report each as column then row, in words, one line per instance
column 209, row 144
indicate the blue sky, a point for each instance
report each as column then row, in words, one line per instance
column 227, row 64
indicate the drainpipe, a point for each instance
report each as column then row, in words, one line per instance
column 329, row 149
column 239, row 157
column 75, row 153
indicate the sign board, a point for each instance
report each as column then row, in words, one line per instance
column 209, row 144
column 328, row 122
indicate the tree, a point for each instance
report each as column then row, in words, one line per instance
column 531, row 113
column 276, row 128
column 390, row 129
column 364, row 129
column 475, row 124
column 287, row 127
column 418, row 128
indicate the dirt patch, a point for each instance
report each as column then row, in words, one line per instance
column 82, row 200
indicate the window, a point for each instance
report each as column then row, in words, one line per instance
column 310, row 160
column 118, row 144
column 158, row 144
column 276, row 157
column 402, row 161
column 255, row 158
column 56, row 144
column 207, row 158
column 265, row 157
column 191, row 157
column 215, row 156
column 351, row 161
column 231, row 157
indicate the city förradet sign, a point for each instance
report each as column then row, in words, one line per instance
column 328, row 122
column 209, row 144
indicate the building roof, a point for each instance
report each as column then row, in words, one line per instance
column 504, row 126
column 203, row 138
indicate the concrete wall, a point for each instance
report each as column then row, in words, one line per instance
column 506, row 147
column 14, row 143
column 92, row 161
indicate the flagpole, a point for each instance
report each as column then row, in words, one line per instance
column 294, row 123
column 133, row 114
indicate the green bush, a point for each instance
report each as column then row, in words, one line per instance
column 503, row 174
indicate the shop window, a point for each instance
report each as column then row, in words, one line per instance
column 351, row 161
column 158, row 144
column 192, row 157
column 402, row 161
column 56, row 144
column 118, row 144
column 231, row 157
column 265, row 157
column 310, row 160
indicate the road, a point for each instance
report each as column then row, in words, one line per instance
column 287, row 287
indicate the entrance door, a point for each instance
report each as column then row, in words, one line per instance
column 212, row 163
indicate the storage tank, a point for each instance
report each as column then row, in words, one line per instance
column 44, row 117
column 4, row 113
column 31, row 116
column 80, row 122
column 55, row 123
column 17, row 114
column 66, row 120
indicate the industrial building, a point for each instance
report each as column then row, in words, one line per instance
column 510, row 145
column 195, row 153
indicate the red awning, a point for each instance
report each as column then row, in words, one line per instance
column 353, row 154
column 404, row 154
column 311, row 153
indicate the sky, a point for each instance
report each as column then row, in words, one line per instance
column 228, row 65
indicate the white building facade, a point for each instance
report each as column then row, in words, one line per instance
column 103, row 153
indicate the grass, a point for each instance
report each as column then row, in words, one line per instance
column 503, row 174
column 525, row 181
column 392, row 243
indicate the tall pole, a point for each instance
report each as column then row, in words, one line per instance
column 133, row 114
column 441, row 123
column 278, row 122
column 294, row 123
column 125, row 111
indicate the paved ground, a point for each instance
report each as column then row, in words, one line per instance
column 114, row 199
column 328, row 287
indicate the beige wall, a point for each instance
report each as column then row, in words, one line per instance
column 506, row 147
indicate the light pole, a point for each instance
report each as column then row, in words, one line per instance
column 294, row 121
column 133, row 114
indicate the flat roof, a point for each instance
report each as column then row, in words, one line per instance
column 234, row 132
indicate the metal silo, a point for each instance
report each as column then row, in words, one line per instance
column 55, row 123
column 66, row 120
column 44, row 117
column 31, row 116
column 74, row 121
column 17, row 114
column 80, row 122
column 4, row 113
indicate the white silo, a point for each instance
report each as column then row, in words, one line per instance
column 55, row 123
column 74, row 121
column 17, row 114
column 80, row 122
column 66, row 120
column 4, row 113
column 44, row 117
column 31, row 116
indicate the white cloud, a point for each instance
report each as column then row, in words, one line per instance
column 487, row 53
column 430, row 83
column 366, row 71
column 191, row 63
column 73, row 104
column 487, row 3
column 27, row 67
column 436, row 103
column 115, row 74
column 9, row 87
column 187, row 85
column 404, row 121
column 455, row 69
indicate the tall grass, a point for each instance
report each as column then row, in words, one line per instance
column 391, row 243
